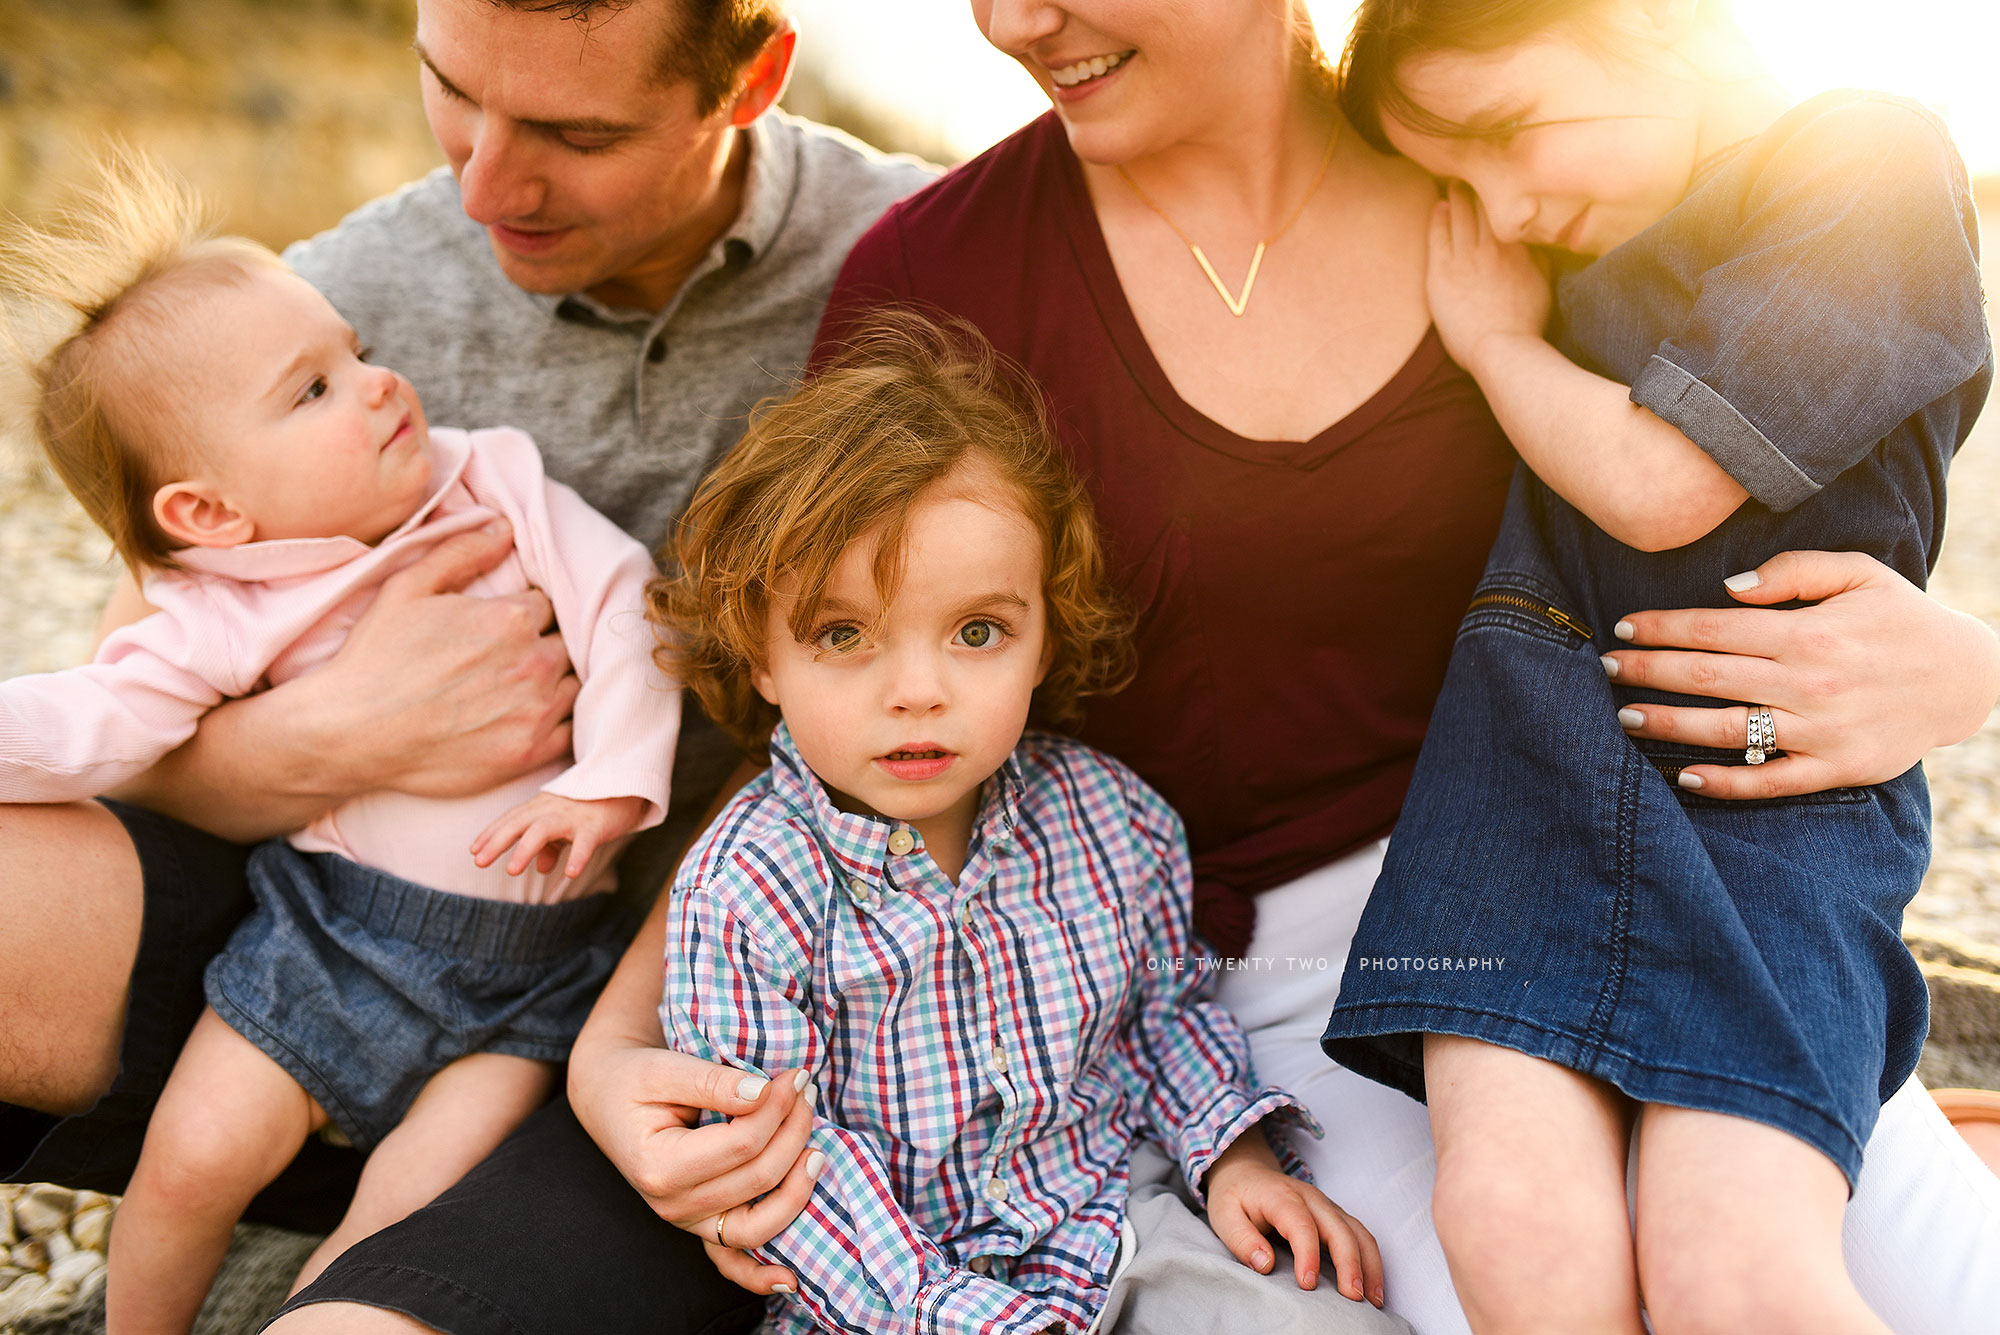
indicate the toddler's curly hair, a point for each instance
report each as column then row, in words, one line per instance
column 897, row 411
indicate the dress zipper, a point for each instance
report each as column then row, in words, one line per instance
column 1521, row 602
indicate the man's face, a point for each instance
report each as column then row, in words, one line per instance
column 586, row 170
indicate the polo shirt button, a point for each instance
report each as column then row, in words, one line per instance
column 656, row 351
column 901, row 842
column 857, row 890
column 996, row 1190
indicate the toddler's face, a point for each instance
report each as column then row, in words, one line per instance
column 1576, row 146
column 292, row 430
column 905, row 711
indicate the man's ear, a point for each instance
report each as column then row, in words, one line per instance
column 765, row 76
column 195, row 514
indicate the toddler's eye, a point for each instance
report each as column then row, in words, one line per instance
column 837, row 639
column 313, row 390
column 364, row 353
column 978, row 634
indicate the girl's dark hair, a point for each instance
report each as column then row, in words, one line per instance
column 1387, row 33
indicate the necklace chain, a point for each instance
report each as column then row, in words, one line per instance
column 1238, row 304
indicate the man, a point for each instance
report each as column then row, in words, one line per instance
column 625, row 254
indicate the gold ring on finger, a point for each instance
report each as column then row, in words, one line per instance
column 718, row 1229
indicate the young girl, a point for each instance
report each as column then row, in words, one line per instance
column 219, row 420
column 975, row 940
column 1771, row 338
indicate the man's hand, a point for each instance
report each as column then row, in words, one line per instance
column 537, row 829
column 1250, row 1197
column 1480, row 288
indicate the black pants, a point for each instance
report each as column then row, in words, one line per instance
column 542, row 1236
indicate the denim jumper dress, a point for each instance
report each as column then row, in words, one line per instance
column 1811, row 316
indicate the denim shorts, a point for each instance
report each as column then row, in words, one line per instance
column 1550, row 889
column 362, row 985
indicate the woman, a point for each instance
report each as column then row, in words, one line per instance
column 1300, row 585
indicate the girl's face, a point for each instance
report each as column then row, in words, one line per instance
column 1129, row 77
column 1569, row 142
column 905, row 710
column 295, row 434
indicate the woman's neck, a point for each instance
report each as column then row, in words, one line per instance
column 1255, row 161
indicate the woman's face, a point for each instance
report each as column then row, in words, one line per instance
column 1130, row 77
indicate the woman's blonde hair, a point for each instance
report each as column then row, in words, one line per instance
column 904, row 405
column 88, row 298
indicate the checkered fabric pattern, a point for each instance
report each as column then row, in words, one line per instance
column 987, row 1051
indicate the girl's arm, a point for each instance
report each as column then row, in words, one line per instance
column 1631, row 474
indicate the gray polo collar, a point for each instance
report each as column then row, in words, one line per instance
column 768, row 188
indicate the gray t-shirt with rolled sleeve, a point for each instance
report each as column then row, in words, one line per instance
column 630, row 408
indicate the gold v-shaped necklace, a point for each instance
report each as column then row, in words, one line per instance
column 1238, row 304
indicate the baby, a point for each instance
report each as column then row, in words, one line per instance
column 222, row 424
column 975, row 939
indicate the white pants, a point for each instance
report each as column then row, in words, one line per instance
column 1922, row 1235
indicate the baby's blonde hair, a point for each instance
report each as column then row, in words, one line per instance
column 87, row 296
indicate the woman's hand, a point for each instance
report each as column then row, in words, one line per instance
column 1251, row 1197
column 1860, row 685
column 642, row 1106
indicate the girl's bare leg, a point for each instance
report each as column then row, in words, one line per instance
column 1530, row 1198
column 228, row 1122
column 461, row 1116
column 1739, row 1229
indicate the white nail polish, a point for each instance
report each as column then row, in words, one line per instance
column 799, row 1078
column 750, row 1086
column 1623, row 630
column 1610, row 665
column 785, row 1289
column 1691, row 782
column 811, row 1096
column 1631, row 718
column 1744, row 582
column 815, row 1164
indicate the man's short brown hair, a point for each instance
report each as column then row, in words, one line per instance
column 710, row 43
column 846, row 456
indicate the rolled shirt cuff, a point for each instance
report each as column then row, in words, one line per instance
column 1232, row 1113
column 1725, row 435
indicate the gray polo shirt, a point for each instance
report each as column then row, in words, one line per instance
column 630, row 408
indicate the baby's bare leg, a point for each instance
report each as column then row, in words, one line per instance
column 1530, row 1195
column 228, row 1122
column 1739, row 1229
column 461, row 1116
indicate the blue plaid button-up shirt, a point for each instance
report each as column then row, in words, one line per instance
column 987, row 1051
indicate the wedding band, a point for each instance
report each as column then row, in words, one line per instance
column 718, row 1228
column 1763, row 736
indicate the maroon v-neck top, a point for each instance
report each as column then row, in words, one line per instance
column 1297, row 599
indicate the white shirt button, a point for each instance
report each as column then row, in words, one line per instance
column 857, row 890
column 996, row 1190
column 999, row 1059
column 980, row 1265
column 901, row 842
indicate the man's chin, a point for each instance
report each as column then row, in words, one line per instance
column 549, row 275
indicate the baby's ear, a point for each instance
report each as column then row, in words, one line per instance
column 195, row 514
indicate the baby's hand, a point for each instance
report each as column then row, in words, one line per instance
column 538, row 827
column 1478, row 286
column 1250, row 1197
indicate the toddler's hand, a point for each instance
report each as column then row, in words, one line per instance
column 1250, row 1197
column 537, row 828
column 1478, row 286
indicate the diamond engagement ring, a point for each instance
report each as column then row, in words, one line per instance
column 1763, row 738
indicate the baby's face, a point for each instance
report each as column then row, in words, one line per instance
column 1572, row 146
column 291, row 428
column 905, row 711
